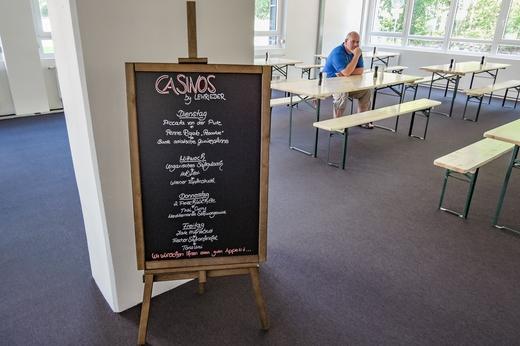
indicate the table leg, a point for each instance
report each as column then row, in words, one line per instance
column 504, row 189
column 291, row 146
column 431, row 85
column 494, row 81
column 455, row 88
column 316, row 130
column 290, row 118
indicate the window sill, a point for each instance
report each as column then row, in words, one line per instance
column 438, row 51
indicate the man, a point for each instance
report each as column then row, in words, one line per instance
column 347, row 60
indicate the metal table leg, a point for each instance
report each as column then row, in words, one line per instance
column 514, row 163
column 457, row 78
column 291, row 146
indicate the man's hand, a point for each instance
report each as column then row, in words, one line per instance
column 357, row 52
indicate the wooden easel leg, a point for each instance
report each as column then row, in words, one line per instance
column 145, row 308
column 202, row 281
column 260, row 303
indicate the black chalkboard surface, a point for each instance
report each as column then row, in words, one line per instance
column 199, row 144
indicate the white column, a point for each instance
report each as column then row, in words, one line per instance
column 22, row 58
column 93, row 39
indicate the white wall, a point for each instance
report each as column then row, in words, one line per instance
column 51, row 86
column 22, row 60
column 6, row 101
column 93, row 40
column 301, row 29
column 341, row 17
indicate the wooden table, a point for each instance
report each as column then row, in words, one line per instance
column 509, row 133
column 379, row 56
column 278, row 64
column 329, row 86
column 453, row 74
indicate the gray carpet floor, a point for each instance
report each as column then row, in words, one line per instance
column 359, row 256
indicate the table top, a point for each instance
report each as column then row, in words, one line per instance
column 461, row 68
column 277, row 62
column 330, row 86
column 509, row 133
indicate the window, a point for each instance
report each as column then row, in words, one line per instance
column 269, row 24
column 479, row 26
column 43, row 28
column 512, row 31
column 429, row 18
column 511, row 38
column 390, row 16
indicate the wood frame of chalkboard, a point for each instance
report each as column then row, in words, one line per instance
column 199, row 268
column 131, row 70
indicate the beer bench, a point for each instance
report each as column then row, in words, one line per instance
column 286, row 101
column 340, row 125
column 479, row 93
column 426, row 80
column 306, row 69
column 464, row 165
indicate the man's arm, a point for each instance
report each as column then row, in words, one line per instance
column 358, row 70
column 351, row 68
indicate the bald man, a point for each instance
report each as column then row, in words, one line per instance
column 347, row 60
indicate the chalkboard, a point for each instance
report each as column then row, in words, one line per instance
column 199, row 137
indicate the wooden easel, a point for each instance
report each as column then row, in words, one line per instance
column 192, row 37
column 200, row 273
column 198, row 269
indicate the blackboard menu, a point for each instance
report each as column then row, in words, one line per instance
column 199, row 144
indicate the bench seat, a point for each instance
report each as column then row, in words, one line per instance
column 286, row 101
column 342, row 124
column 428, row 79
column 308, row 66
column 464, row 164
column 478, row 93
column 473, row 156
column 492, row 88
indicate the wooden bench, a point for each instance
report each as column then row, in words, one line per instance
column 479, row 93
column 306, row 69
column 286, row 101
column 395, row 69
column 341, row 125
column 464, row 165
column 427, row 80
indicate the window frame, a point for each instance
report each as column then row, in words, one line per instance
column 279, row 32
column 495, row 41
column 40, row 33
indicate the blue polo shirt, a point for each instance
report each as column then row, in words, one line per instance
column 338, row 59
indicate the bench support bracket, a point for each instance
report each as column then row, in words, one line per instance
column 480, row 98
column 470, row 178
column 344, row 151
column 426, row 114
column 514, row 163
